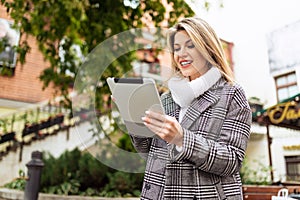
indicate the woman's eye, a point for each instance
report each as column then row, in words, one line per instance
column 190, row 46
column 176, row 49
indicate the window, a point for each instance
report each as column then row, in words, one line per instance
column 9, row 39
column 286, row 86
column 292, row 168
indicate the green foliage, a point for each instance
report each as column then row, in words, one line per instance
column 60, row 170
column 5, row 67
column 93, row 172
column 123, row 183
column 3, row 43
column 120, row 159
column 66, row 188
column 258, row 176
column 125, row 143
column 77, row 173
column 60, row 26
column 18, row 183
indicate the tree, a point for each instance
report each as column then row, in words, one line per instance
column 61, row 27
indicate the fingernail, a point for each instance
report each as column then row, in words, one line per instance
column 112, row 98
column 147, row 112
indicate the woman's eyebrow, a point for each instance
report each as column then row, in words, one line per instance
column 186, row 42
column 190, row 40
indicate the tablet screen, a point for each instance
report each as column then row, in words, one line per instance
column 133, row 96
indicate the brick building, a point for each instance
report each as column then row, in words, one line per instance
column 23, row 87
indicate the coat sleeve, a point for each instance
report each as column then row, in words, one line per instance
column 225, row 155
column 141, row 145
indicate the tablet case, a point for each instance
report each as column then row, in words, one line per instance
column 133, row 96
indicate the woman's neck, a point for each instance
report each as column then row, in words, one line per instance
column 198, row 74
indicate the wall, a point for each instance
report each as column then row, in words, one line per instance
column 282, row 138
column 25, row 85
column 7, row 194
column 257, row 157
column 257, row 150
column 79, row 136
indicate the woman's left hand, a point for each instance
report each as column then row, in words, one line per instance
column 166, row 127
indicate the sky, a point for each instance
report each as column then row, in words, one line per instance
column 243, row 16
column 247, row 24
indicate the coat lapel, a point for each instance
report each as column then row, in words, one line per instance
column 171, row 108
column 200, row 104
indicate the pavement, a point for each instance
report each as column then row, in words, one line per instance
column 9, row 194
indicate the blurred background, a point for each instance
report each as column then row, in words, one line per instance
column 44, row 44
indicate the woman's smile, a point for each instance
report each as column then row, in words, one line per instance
column 189, row 60
column 185, row 63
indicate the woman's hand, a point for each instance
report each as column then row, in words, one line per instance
column 166, row 127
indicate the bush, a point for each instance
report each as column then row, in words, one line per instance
column 77, row 173
column 18, row 183
column 93, row 174
column 125, row 183
column 258, row 176
column 60, row 170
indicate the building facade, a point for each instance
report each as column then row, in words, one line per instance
column 19, row 84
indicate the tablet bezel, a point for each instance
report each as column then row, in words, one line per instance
column 143, row 91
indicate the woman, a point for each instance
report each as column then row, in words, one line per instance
column 201, row 139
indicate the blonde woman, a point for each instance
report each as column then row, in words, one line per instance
column 202, row 137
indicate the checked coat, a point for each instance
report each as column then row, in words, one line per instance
column 216, row 129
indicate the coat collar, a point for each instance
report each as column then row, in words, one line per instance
column 200, row 104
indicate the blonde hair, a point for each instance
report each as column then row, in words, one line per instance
column 205, row 40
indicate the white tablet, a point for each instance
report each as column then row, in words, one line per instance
column 133, row 96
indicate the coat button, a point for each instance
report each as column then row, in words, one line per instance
column 147, row 186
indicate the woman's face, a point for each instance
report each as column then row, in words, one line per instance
column 187, row 57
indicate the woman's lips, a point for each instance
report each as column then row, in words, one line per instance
column 185, row 63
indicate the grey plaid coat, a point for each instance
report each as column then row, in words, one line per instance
column 216, row 130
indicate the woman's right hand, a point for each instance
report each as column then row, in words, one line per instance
column 165, row 126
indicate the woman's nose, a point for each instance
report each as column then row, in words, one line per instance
column 182, row 52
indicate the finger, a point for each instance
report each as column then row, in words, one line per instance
column 163, row 133
column 153, row 121
column 169, row 123
column 153, row 128
column 112, row 98
column 155, row 115
column 167, row 132
column 160, row 131
column 159, row 126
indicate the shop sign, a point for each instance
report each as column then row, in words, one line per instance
column 284, row 112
